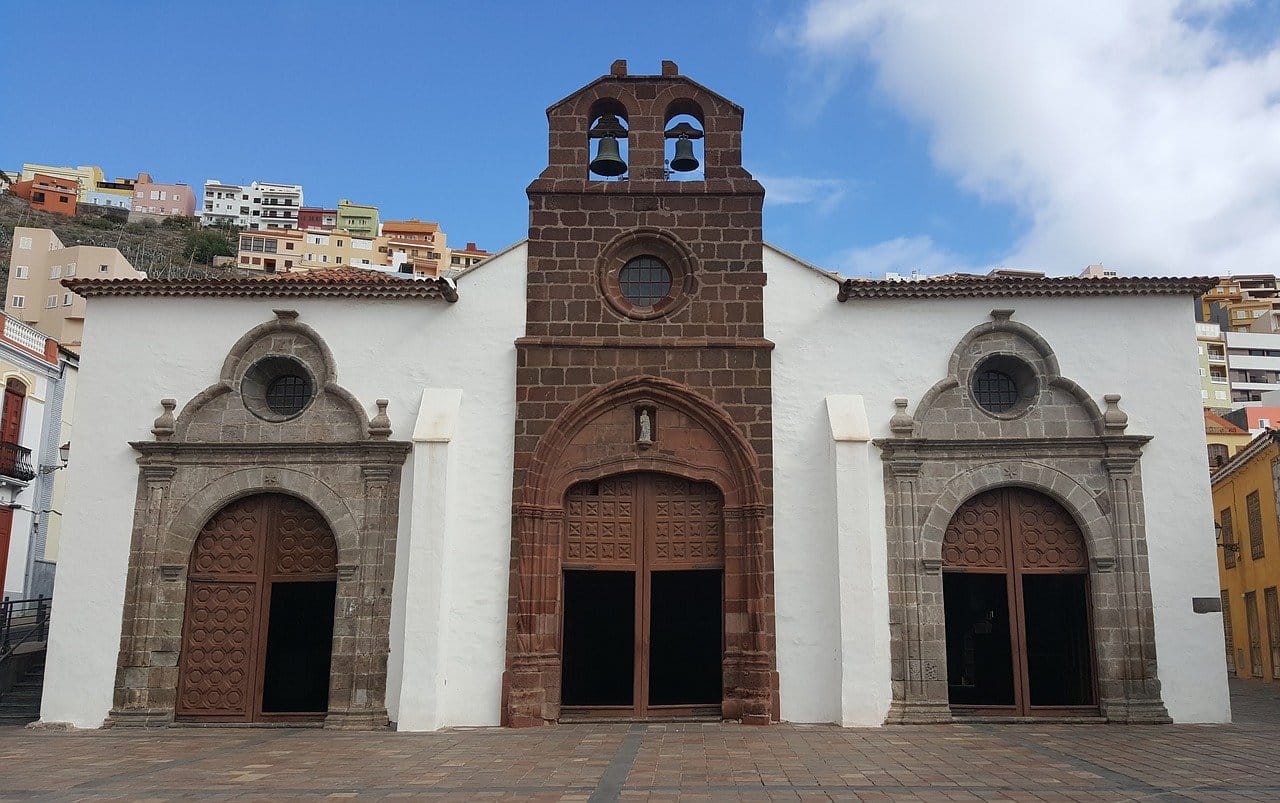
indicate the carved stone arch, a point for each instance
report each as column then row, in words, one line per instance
column 592, row 439
column 205, row 503
column 1058, row 400
column 548, row 472
column 1052, row 482
column 334, row 413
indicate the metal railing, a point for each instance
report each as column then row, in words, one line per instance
column 15, row 461
column 23, row 621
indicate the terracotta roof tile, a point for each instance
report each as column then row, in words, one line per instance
column 961, row 285
column 1217, row 425
column 337, row 282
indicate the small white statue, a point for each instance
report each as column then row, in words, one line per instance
column 646, row 428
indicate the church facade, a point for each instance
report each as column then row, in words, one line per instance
column 639, row 465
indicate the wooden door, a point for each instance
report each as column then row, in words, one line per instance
column 661, row 538
column 248, row 547
column 15, row 395
column 1018, row 561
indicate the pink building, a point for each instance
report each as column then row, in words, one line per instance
column 153, row 201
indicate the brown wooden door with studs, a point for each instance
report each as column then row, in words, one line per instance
column 1016, row 597
column 258, row 623
column 642, row 635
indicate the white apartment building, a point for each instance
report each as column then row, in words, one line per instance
column 1254, row 359
column 256, row 206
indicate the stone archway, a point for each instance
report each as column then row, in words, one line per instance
column 688, row 437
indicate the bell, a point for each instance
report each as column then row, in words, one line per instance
column 608, row 161
column 684, row 160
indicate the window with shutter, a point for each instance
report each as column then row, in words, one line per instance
column 1253, row 505
column 1228, row 539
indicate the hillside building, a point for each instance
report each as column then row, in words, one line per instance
column 84, row 178
column 48, row 194
column 664, row 469
column 315, row 217
column 359, row 219
column 155, row 201
column 258, row 206
column 38, row 263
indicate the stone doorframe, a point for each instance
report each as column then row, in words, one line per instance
column 1063, row 446
column 582, row 445
column 217, row 451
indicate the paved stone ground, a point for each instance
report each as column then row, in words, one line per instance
column 665, row 762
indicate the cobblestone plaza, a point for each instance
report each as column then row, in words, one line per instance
column 657, row 761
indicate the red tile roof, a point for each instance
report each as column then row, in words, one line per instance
column 337, row 282
column 962, row 285
column 1217, row 425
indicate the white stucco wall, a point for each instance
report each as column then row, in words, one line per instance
column 383, row 349
column 1140, row 347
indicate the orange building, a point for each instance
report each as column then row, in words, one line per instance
column 422, row 242
column 50, row 193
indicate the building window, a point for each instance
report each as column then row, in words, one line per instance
column 24, row 243
column 18, row 302
column 1254, row 507
column 51, row 302
column 1226, row 628
column 55, row 272
column 1255, row 634
column 1217, row 454
column 1228, row 538
column 103, row 269
column 1273, row 630
column 19, row 271
column 1220, row 395
column 66, row 299
column 645, row 281
column 1002, row 384
column 71, row 269
column 277, row 388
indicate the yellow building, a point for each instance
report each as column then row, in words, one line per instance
column 1224, row 439
column 338, row 248
column 86, row 176
column 270, row 250
column 1245, row 512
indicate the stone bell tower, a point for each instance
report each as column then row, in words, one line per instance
column 643, row 441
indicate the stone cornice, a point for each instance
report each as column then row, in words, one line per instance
column 392, row 453
column 648, row 342
column 1111, row 446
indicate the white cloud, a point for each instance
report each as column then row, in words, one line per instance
column 824, row 193
column 901, row 255
column 1126, row 132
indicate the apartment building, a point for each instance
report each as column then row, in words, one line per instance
column 115, row 194
column 1254, row 365
column 54, row 194
column 359, row 219
column 155, row 201
column 1215, row 378
column 339, row 248
column 1224, row 439
column 461, row 259
column 85, row 178
column 423, row 243
column 270, row 250
column 39, row 387
column 38, row 262
column 1236, row 302
column 1244, row 501
column 258, row 206
column 314, row 217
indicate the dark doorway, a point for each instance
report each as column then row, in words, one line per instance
column 1059, row 661
column 643, row 627
column 1015, row 589
column 979, row 653
column 685, row 637
column 599, row 638
column 295, row 678
column 258, row 623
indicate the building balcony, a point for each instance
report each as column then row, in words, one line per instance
column 15, row 464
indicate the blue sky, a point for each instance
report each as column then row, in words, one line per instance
column 863, row 121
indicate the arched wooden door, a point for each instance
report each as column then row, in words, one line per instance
column 1016, row 594
column 643, row 619
column 258, row 625
column 15, row 398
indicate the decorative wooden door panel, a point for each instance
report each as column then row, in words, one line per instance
column 245, row 548
column 637, row 525
column 1040, row 551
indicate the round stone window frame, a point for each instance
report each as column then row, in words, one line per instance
column 1025, row 378
column 259, row 376
column 659, row 245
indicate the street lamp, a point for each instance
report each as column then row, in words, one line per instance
column 1227, row 546
column 64, row 455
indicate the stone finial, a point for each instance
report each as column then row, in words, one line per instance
column 1114, row 420
column 380, row 426
column 669, row 68
column 1001, row 315
column 286, row 314
column 901, row 424
column 163, row 426
column 618, row 68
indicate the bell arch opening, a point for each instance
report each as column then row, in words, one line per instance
column 257, row 632
column 1018, row 618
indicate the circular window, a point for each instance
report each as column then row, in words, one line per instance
column 277, row 388
column 1003, row 385
column 288, row 394
column 645, row 281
